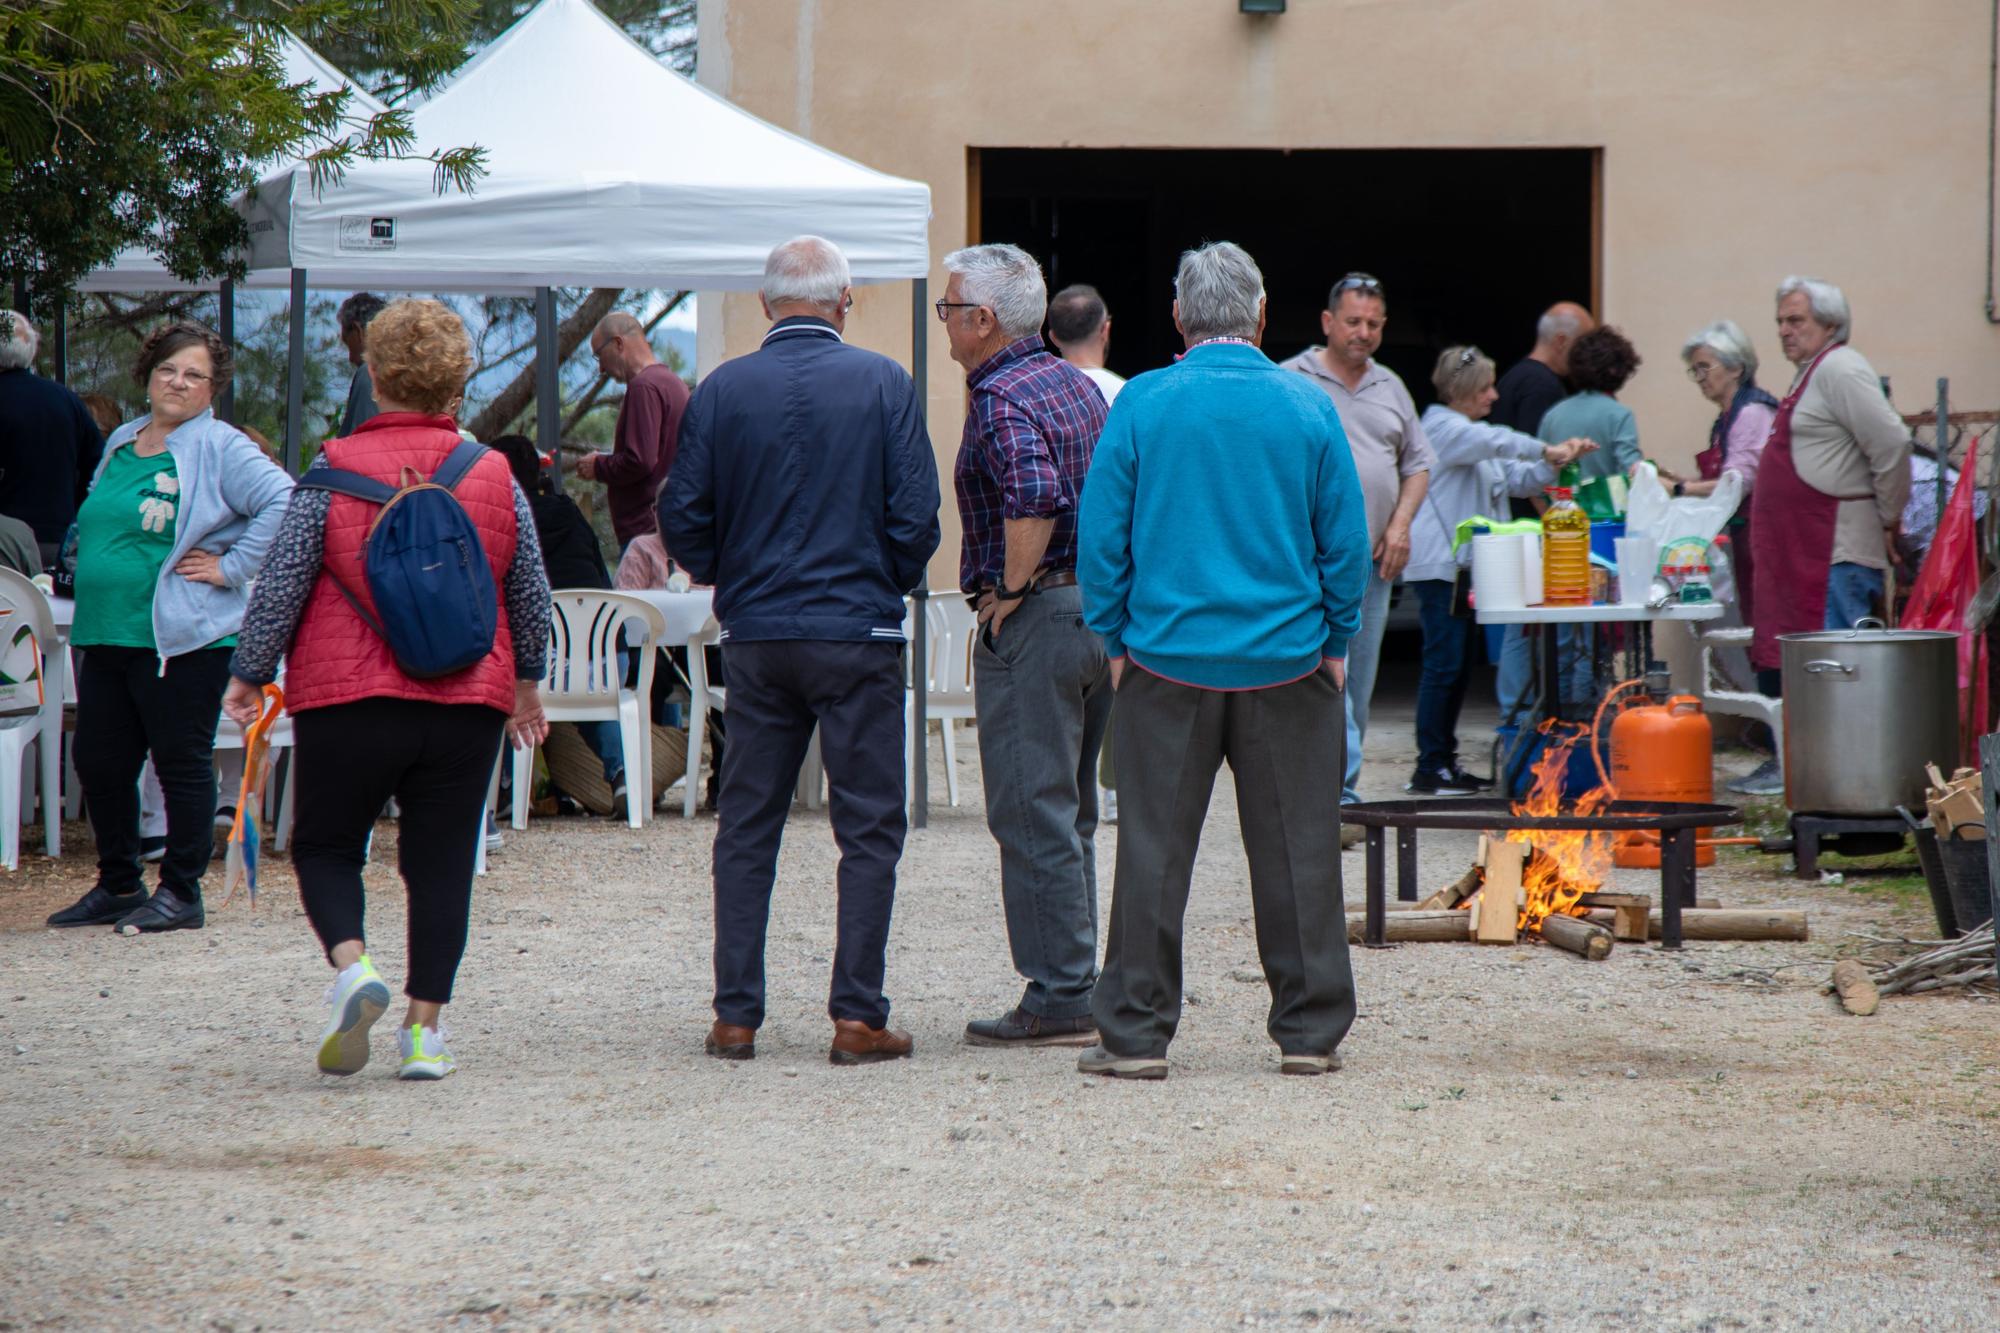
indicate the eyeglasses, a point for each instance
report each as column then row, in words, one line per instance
column 1699, row 370
column 194, row 379
column 944, row 308
column 1359, row 282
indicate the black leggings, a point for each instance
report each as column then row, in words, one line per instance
column 437, row 761
column 126, row 706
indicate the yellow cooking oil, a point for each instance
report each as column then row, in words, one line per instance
column 1565, row 552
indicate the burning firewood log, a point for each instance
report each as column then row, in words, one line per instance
column 1454, row 893
column 1577, row 936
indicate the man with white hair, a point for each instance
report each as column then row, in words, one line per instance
column 805, row 490
column 649, row 423
column 1226, row 574
column 49, row 446
column 1831, row 483
column 1044, row 692
column 1534, row 384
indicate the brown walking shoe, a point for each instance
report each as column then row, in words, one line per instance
column 855, row 1043
column 726, row 1041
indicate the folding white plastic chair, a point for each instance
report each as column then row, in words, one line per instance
column 585, row 684
column 702, row 696
column 949, row 698
column 27, row 609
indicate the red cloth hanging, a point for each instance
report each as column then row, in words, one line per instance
column 1947, row 583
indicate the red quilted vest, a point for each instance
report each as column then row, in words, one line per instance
column 335, row 657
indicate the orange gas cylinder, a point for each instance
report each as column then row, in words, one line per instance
column 1662, row 752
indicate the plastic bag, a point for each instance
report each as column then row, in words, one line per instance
column 1946, row 584
column 1685, row 527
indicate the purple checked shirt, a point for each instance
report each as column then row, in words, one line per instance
column 1030, row 429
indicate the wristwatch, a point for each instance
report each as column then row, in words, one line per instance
column 1680, row 489
column 1002, row 593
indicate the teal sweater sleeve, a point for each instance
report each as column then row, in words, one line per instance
column 1104, row 532
column 1340, row 533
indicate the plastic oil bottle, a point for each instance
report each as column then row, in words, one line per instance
column 1565, row 552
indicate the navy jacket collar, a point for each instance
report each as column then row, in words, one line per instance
column 801, row 326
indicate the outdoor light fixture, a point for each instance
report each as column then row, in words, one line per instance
column 1261, row 6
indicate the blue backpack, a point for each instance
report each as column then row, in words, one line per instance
column 425, row 566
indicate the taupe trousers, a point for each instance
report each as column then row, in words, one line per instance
column 1285, row 746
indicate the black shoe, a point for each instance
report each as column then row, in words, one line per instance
column 1438, row 782
column 163, row 911
column 152, row 849
column 99, row 908
column 1018, row 1027
column 1461, row 778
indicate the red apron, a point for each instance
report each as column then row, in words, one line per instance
column 1791, row 539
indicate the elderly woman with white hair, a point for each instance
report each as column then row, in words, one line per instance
column 1722, row 362
column 1831, row 483
column 1479, row 467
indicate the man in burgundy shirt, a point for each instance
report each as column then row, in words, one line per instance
column 649, row 422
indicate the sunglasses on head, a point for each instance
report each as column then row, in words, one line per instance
column 1359, row 282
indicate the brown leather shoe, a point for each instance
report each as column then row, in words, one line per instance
column 855, row 1043
column 726, row 1041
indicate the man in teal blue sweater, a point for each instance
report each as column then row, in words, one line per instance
column 1224, row 554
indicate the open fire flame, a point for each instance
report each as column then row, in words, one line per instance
column 1565, row 864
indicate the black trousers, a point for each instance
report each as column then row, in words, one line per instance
column 777, row 691
column 1286, row 747
column 437, row 761
column 126, row 707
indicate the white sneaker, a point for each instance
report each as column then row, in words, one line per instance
column 1107, row 805
column 358, row 996
column 425, row 1055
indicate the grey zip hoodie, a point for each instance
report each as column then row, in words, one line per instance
column 232, row 499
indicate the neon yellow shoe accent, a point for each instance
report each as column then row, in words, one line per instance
column 425, row 1056
column 358, row 997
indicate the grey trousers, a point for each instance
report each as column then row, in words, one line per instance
column 1044, row 700
column 1284, row 746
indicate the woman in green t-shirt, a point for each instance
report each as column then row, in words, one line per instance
column 176, row 524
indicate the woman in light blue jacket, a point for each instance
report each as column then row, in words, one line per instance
column 1479, row 467
column 178, row 518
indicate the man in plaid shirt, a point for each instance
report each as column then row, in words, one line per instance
column 1040, row 675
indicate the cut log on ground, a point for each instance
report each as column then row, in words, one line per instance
column 1628, row 913
column 1451, row 895
column 1578, row 937
column 1857, row 993
column 1453, row 927
column 1722, row 923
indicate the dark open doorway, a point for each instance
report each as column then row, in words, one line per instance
column 1471, row 244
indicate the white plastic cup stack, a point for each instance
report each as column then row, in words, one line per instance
column 1497, row 573
column 1638, row 561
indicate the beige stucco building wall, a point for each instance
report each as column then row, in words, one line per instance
column 1740, row 142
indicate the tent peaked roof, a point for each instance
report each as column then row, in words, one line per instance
column 604, row 167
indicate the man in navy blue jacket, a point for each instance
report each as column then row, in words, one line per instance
column 805, row 490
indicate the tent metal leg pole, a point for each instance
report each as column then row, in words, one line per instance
column 295, row 375
column 548, row 402
column 225, row 321
column 920, row 673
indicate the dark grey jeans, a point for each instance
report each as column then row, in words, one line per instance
column 1044, row 699
column 1284, row 746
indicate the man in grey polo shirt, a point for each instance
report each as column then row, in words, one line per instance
column 1393, row 461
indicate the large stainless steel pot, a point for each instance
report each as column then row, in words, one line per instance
column 1865, row 711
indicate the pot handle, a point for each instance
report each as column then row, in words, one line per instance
column 1866, row 623
column 1823, row 667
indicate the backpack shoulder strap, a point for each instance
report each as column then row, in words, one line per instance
column 457, row 463
column 343, row 482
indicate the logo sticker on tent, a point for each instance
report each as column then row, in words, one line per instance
column 360, row 233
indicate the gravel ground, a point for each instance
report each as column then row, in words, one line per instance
column 1519, row 1137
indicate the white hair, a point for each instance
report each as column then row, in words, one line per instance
column 1732, row 347
column 18, row 350
column 806, row 270
column 1220, row 292
column 1006, row 280
column 1560, row 323
column 1826, row 301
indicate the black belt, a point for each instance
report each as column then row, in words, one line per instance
column 1055, row 578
